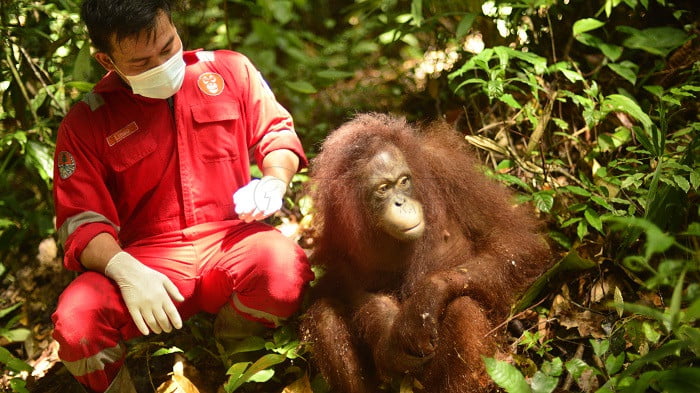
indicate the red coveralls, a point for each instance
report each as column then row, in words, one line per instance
column 160, row 179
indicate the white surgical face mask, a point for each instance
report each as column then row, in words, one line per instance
column 160, row 82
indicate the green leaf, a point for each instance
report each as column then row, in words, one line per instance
column 417, row 12
column 248, row 344
column 510, row 101
column 587, row 24
column 464, row 25
column 626, row 69
column 561, row 238
column 265, row 362
column 282, row 11
column 621, row 103
column 334, row 74
column 17, row 335
column 600, row 347
column 10, row 309
column 167, row 351
column 576, row 367
column 680, row 380
column 577, row 190
column 19, row 385
column 581, row 230
column 12, row 362
column 682, row 182
column 542, row 383
column 593, row 219
column 613, row 363
column 262, row 376
column 82, row 67
column 613, row 52
column 553, row 368
column 693, row 229
column 544, row 200
column 506, row 376
column 301, row 87
column 655, row 40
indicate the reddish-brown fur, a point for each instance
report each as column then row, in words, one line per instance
column 384, row 307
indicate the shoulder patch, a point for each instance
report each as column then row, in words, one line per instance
column 66, row 165
column 211, row 83
column 94, row 100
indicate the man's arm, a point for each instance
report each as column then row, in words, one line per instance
column 99, row 251
column 282, row 164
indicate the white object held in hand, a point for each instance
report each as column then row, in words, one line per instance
column 259, row 199
column 148, row 294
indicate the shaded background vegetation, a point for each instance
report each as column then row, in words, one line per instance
column 587, row 109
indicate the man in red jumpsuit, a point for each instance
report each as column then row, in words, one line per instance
column 154, row 200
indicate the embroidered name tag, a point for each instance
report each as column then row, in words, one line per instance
column 122, row 134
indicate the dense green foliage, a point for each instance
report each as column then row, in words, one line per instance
column 588, row 109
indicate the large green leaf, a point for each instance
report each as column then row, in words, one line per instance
column 506, row 376
column 656, row 40
column 621, row 103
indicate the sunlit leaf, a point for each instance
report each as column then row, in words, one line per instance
column 586, row 24
column 682, row 182
column 542, row 383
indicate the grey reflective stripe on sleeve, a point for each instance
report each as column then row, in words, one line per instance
column 72, row 223
column 95, row 362
column 93, row 100
column 256, row 313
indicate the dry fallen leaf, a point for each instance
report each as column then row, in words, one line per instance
column 178, row 382
column 301, row 385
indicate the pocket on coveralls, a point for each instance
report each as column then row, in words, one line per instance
column 126, row 152
column 216, row 131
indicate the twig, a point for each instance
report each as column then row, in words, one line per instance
column 516, row 316
column 41, row 77
column 541, row 125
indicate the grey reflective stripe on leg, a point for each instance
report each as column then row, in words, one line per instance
column 95, row 362
column 72, row 223
column 122, row 383
column 256, row 313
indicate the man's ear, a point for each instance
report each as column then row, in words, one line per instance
column 104, row 61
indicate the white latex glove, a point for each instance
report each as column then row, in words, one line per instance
column 259, row 199
column 148, row 294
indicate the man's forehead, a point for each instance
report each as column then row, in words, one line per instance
column 146, row 40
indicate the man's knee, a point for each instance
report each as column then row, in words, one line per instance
column 87, row 310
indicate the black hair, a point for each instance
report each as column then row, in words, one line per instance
column 121, row 19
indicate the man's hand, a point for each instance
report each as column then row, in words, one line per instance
column 259, row 199
column 148, row 294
